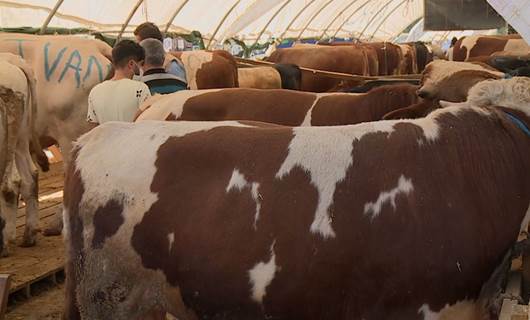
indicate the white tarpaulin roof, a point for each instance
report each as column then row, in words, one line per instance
column 249, row 20
column 517, row 13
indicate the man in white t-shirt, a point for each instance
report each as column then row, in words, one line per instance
column 120, row 98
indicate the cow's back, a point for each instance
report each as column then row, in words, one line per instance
column 345, row 59
column 210, row 216
column 259, row 78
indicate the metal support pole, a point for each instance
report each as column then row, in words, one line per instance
column 349, row 18
column 126, row 23
column 174, row 15
column 50, row 17
column 212, row 39
column 374, row 17
column 386, row 18
column 313, row 18
column 270, row 21
column 336, row 17
column 295, row 18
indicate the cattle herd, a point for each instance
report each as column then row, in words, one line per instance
column 275, row 193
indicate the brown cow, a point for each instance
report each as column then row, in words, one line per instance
column 373, row 62
column 389, row 56
column 209, row 69
column 337, row 59
column 477, row 46
column 221, row 220
column 423, row 54
column 409, row 62
column 284, row 107
column 277, row 76
column 259, row 78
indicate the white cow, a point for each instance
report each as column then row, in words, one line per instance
column 19, row 173
column 66, row 69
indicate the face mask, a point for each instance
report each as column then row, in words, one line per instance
column 137, row 70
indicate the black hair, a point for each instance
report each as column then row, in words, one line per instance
column 126, row 50
column 148, row 30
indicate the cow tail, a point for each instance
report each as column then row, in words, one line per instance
column 366, row 69
column 31, row 104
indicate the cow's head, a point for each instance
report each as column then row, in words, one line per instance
column 451, row 80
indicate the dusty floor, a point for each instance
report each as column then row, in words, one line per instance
column 46, row 305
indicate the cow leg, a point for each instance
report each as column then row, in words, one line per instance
column 29, row 190
column 9, row 205
column 56, row 225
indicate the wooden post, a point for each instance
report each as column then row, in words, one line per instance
column 5, row 280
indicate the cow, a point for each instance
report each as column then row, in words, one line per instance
column 409, row 219
column 283, row 107
column 480, row 45
column 372, row 84
column 508, row 93
column 66, row 69
column 373, row 62
column 343, row 59
column 18, row 173
column 277, row 76
column 389, row 57
column 445, row 80
column 409, row 63
column 451, row 80
column 423, row 55
column 259, row 78
column 209, row 69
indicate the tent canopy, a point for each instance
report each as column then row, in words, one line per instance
column 218, row 20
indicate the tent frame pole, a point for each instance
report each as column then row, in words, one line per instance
column 335, row 18
column 295, row 18
column 372, row 19
column 174, row 15
column 312, row 18
column 128, row 20
column 50, row 17
column 270, row 21
column 212, row 39
column 386, row 18
column 349, row 18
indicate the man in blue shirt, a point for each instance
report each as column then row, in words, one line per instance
column 154, row 75
column 149, row 30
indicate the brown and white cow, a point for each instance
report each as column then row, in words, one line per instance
column 451, row 80
column 409, row 219
column 508, row 93
column 283, row 107
column 209, row 69
column 18, row 173
column 343, row 59
column 479, row 45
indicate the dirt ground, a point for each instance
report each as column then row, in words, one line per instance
column 46, row 305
